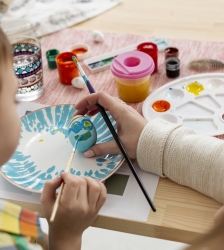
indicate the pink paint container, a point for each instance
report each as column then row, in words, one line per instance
column 132, row 71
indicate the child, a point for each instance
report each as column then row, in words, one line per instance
column 159, row 147
column 73, row 215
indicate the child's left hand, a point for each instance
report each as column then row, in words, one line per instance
column 79, row 205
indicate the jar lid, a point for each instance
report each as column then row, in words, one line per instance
column 51, row 58
column 65, row 58
column 148, row 48
column 132, row 65
column 82, row 51
column 172, row 63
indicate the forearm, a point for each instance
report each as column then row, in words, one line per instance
column 183, row 156
column 44, row 242
column 66, row 244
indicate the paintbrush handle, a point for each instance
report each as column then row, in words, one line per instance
column 56, row 204
column 70, row 161
column 121, row 147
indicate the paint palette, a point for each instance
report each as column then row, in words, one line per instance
column 196, row 102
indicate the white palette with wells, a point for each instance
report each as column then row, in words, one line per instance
column 203, row 112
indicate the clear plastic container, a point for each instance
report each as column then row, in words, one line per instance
column 135, row 90
column 132, row 71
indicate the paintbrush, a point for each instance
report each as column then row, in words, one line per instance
column 113, row 132
column 205, row 64
column 56, row 204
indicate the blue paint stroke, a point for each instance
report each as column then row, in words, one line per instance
column 49, row 114
column 57, row 114
column 31, row 119
column 42, row 122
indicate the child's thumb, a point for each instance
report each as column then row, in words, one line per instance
column 102, row 149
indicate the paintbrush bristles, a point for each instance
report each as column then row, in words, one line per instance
column 74, row 58
column 205, row 64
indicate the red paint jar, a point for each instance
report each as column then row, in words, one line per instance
column 67, row 69
column 150, row 49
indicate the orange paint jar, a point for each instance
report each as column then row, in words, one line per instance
column 132, row 71
column 67, row 69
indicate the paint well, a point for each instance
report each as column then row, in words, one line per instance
column 79, row 51
column 169, row 118
column 208, row 101
column 193, row 109
column 161, row 106
column 201, row 126
column 174, row 94
column 215, row 84
column 101, row 63
column 195, row 88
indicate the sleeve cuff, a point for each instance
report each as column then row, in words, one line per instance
column 151, row 144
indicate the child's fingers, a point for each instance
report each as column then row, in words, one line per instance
column 48, row 195
column 82, row 196
column 71, row 188
column 86, row 111
column 49, row 190
column 93, row 192
column 219, row 215
column 109, row 147
column 102, row 196
column 105, row 100
column 96, row 194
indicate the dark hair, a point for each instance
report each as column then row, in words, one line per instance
column 5, row 51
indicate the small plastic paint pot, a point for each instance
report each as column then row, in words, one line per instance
column 132, row 71
column 81, row 50
column 82, row 126
column 150, row 49
column 67, row 69
column 172, row 67
column 51, row 58
column 171, row 52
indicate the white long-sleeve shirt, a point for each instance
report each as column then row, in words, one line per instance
column 182, row 155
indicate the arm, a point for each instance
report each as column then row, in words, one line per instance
column 161, row 147
column 79, row 205
column 182, row 155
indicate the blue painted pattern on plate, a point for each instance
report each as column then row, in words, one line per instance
column 44, row 149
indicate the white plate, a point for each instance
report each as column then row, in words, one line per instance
column 44, row 150
column 203, row 112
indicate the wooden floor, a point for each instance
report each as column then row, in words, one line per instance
column 182, row 19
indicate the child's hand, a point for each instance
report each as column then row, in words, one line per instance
column 79, row 205
column 129, row 123
column 219, row 216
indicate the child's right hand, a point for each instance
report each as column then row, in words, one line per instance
column 79, row 205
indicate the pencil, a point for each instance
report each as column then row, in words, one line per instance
column 113, row 132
